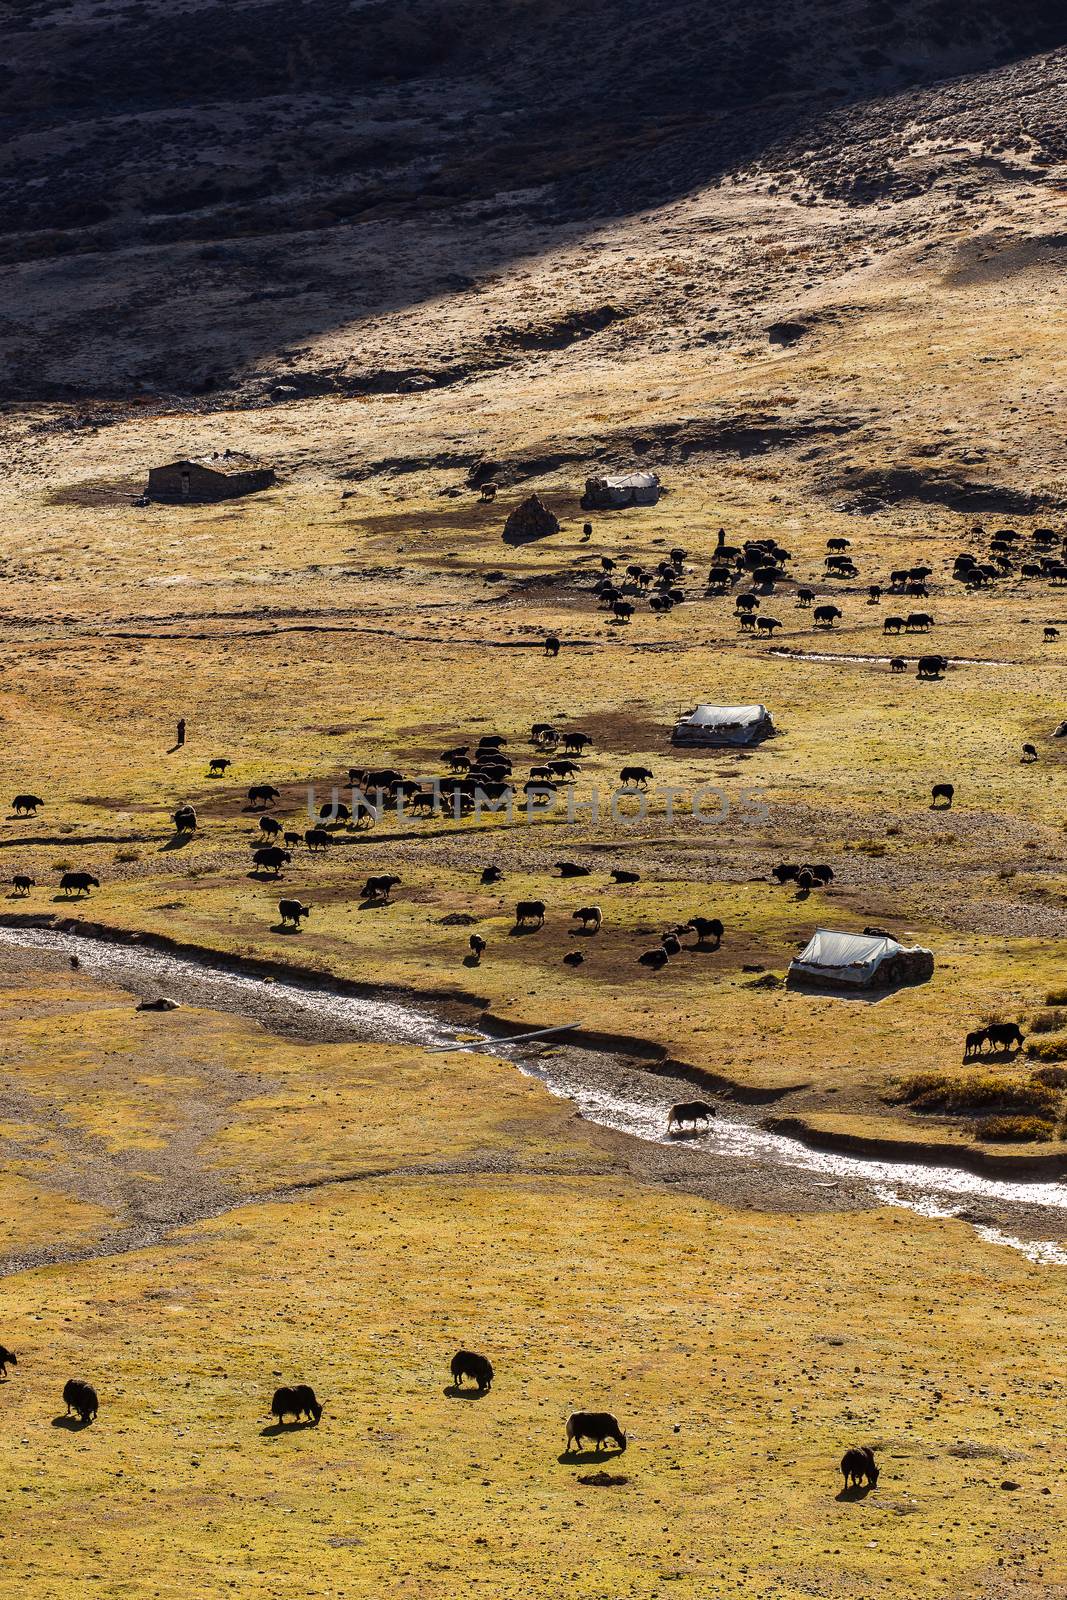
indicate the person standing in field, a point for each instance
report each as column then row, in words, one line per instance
column 181, row 732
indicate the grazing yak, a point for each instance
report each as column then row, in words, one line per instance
column 898, row 664
column 298, row 1402
column 825, row 616
column 1005, row 1035
column 380, row 888
column 671, row 944
column 705, row 928
column 80, row 1397
column 573, row 958
column 7, row 1359
column 571, row 869
column 317, row 839
column 622, row 610
column 1051, row 635
column 973, row 1043
column 746, row 620
column 467, row 1364
column 184, row 820
column 623, row 875
column 656, row 959
column 1029, row 752
column 918, row 622
column 874, row 593
column 767, row 625
column 530, row 911
column 478, row 946
column 491, row 874
column 636, row 776
column 805, row 597
column 746, row 602
column 932, row 666
column 270, row 858
column 334, row 811
column 23, row 884
column 858, row 1465
column 599, row 1426
column 575, row 743
column 589, row 914
column 942, row 791
column 162, row 1003
column 217, row 766
column 292, row 911
column 892, row 624
column 270, row 826
column 261, row 794
column 26, row 804
column 551, row 646
column 785, row 872
column 78, row 882
column 691, row 1112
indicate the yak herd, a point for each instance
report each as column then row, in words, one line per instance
column 764, row 564
column 300, row 1403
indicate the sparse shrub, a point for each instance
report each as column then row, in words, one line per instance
column 976, row 1091
column 1015, row 1129
column 1054, row 1077
column 1048, row 1022
column 125, row 856
column 62, row 866
column 1047, row 1049
column 1056, row 997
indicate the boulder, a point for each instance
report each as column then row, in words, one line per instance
column 531, row 520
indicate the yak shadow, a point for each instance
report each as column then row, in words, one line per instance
column 368, row 904
column 72, row 1424
column 693, row 1132
column 177, row 841
column 468, row 961
column 456, row 1391
column 1004, row 1052
column 273, row 1429
column 520, row 930
column 586, row 1458
column 285, row 927
column 855, row 1491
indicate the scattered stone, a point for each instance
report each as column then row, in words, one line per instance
column 604, row 1480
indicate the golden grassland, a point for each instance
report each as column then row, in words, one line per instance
column 450, row 1200
column 391, row 669
column 742, row 1351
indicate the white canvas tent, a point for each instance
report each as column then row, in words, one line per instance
column 723, row 725
column 860, row 960
column 620, row 489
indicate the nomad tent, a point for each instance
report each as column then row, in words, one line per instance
column 723, row 725
column 860, row 961
column 623, row 489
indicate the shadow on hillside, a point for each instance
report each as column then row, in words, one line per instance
column 365, row 197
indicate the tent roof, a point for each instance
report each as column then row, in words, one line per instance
column 828, row 948
column 724, row 716
column 627, row 480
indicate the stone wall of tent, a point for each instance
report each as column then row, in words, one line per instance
column 860, row 961
column 723, row 726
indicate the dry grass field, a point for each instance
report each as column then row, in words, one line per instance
column 201, row 1205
